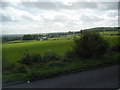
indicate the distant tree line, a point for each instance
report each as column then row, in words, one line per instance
column 30, row 37
column 102, row 29
column 52, row 35
column 7, row 38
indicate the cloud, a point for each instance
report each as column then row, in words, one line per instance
column 58, row 5
column 39, row 5
column 15, row 15
column 91, row 18
column 6, row 18
column 112, row 13
column 21, row 28
column 44, row 17
column 108, row 5
column 55, row 18
column 71, row 6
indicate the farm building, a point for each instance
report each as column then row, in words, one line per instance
column 43, row 38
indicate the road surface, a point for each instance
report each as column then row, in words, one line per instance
column 106, row 77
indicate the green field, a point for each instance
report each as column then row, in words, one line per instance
column 113, row 40
column 109, row 32
column 13, row 51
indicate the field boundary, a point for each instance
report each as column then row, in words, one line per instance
column 64, row 73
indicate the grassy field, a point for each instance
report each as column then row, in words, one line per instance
column 13, row 51
column 113, row 40
column 109, row 32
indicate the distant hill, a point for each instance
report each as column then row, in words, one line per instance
column 102, row 29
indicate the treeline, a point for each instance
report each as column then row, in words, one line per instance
column 9, row 38
column 40, row 36
column 31, row 37
column 103, row 29
column 52, row 35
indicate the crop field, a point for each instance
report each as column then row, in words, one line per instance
column 13, row 51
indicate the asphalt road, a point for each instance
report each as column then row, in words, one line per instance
column 106, row 77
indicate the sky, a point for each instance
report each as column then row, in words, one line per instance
column 46, row 16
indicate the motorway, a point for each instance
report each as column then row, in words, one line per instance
column 106, row 77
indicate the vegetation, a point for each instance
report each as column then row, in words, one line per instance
column 102, row 30
column 90, row 45
column 30, row 60
column 14, row 51
column 30, row 37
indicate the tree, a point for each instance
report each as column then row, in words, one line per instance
column 27, row 37
column 90, row 45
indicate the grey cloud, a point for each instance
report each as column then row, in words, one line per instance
column 108, row 5
column 78, row 5
column 112, row 13
column 58, row 5
column 58, row 18
column 39, row 5
column 5, row 18
column 74, row 5
column 90, row 18
column 4, row 4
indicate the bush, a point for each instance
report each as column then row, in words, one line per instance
column 115, row 48
column 21, row 69
column 90, row 45
column 36, row 58
column 55, row 64
column 69, row 56
column 26, row 59
column 7, row 66
column 30, row 59
column 50, row 56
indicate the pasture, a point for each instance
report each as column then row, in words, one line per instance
column 13, row 51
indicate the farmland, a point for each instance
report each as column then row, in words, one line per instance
column 14, row 50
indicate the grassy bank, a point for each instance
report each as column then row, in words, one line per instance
column 53, row 68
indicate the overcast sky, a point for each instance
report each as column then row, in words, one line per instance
column 43, row 17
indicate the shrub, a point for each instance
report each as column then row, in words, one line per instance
column 50, row 56
column 115, row 48
column 69, row 56
column 55, row 64
column 30, row 59
column 26, row 59
column 90, row 45
column 21, row 69
column 7, row 66
column 36, row 58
